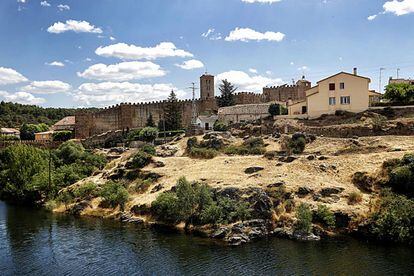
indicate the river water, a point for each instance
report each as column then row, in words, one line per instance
column 34, row 242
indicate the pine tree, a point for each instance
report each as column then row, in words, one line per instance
column 150, row 121
column 227, row 94
column 172, row 113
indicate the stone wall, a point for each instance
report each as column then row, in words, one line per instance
column 243, row 113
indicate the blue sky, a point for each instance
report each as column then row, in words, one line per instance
column 70, row 53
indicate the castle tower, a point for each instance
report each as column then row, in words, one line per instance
column 206, row 87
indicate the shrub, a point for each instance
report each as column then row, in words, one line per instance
column 254, row 142
column 62, row 136
column 212, row 214
column 354, row 198
column 166, row 207
column 148, row 134
column 304, row 219
column 141, row 186
column 86, row 191
column 325, row 216
column 148, row 149
column 192, row 142
column 295, row 144
column 202, row 153
column 114, row 193
column 133, row 135
column 220, row 126
column 289, row 205
column 402, row 179
column 363, row 181
column 65, row 197
column 394, row 218
column 277, row 109
column 139, row 160
column 251, row 146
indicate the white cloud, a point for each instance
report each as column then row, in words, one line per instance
column 75, row 26
column 372, row 17
column 269, row 72
column 123, row 71
column 44, row 4
column 21, row 97
column 191, row 64
column 21, row 1
column 244, row 82
column 399, row 7
column 125, row 51
column 211, row 34
column 55, row 63
column 303, row 68
column 252, row 70
column 116, row 92
column 292, row 63
column 112, row 38
column 10, row 76
column 63, row 7
column 46, row 87
column 261, row 1
column 246, row 34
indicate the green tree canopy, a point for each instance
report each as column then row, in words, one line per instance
column 227, row 94
column 27, row 131
column 399, row 92
column 172, row 113
column 150, row 121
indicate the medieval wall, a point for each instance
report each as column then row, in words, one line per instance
column 295, row 92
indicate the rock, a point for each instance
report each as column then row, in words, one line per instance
column 159, row 164
column 311, row 157
column 118, row 150
column 304, row 191
column 279, row 164
column 79, row 207
column 326, row 192
column 252, row 170
column 237, row 239
column 157, row 188
column 276, row 185
column 261, row 204
column 301, row 236
column 323, row 167
column 238, row 228
column 321, row 158
column 287, row 159
column 220, row 233
column 140, row 210
column 329, row 200
column 166, row 151
column 232, row 193
column 125, row 217
column 342, row 220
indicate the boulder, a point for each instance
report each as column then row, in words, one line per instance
column 159, row 164
column 287, row 159
column 304, row 191
column 220, row 233
column 276, row 185
column 157, row 188
column 302, row 236
column 326, row 192
column 261, row 204
column 166, row 151
column 140, row 210
column 252, row 170
column 78, row 208
column 342, row 220
column 126, row 217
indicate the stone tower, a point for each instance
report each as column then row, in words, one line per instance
column 206, row 87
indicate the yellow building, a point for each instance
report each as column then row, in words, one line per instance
column 46, row 136
column 343, row 91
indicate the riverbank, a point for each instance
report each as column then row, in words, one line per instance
column 273, row 187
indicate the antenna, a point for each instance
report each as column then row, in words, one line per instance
column 193, row 106
column 380, row 79
column 398, row 73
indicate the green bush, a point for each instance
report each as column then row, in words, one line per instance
column 65, row 197
column 277, row 109
column 304, row 219
column 148, row 149
column 363, row 181
column 9, row 138
column 295, row 144
column 220, row 126
column 394, row 218
column 148, row 134
column 133, row 135
column 141, row 186
column 139, row 160
column 62, row 136
column 166, row 207
column 254, row 142
column 251, row 146
column 202, row 153
column 212, row 214
column 86, row 191
column 324, row 216
column 114, row 194
column 402, row 179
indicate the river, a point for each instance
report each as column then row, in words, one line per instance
column 35, row 242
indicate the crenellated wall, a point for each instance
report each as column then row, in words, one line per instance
column 134, row 115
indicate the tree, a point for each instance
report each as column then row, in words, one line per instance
column 172, row 113
column 227, row 94
column 148, row 134
column 150, row 121
column 277, row 109
column 399, row 92
column 27, row 131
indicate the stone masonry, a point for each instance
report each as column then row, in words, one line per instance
column 127, row 116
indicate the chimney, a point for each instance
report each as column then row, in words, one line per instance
column 355, row 71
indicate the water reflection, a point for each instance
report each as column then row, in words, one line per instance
column 36, row 242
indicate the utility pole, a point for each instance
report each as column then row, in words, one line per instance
column 193, row 106
column 398, row 73
column 380, row 79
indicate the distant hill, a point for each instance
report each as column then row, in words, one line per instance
column 14, row 114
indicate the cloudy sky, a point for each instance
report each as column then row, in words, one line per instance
column 70, row 53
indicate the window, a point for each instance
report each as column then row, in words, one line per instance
column 342, row 86
column 346, row 100
column 332, row 87
column 332, row 101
